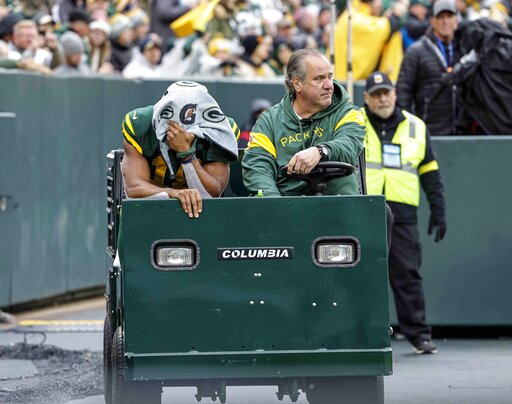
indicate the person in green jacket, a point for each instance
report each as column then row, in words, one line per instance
column 179, row 148
column 315, row 121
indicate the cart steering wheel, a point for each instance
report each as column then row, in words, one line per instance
column 319, row 176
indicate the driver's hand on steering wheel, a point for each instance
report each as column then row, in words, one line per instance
column 304, row 161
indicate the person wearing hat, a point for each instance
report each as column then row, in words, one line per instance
column 147, row 64
column 419, row 86
column 122, row 41
column 315, row 121
column 417, row 22
column 400, row 158
column 253, row 62
column 73, row 49
column 100, row 49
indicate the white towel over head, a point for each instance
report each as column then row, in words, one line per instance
column 190, row 105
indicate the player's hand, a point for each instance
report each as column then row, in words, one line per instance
column 190, row 199
column 304, row 161
column 178, row 138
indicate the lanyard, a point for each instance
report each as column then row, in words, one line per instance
column 449, row 59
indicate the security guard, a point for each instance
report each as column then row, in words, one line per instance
column 399, row 157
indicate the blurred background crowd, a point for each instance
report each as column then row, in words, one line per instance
column 236, row 38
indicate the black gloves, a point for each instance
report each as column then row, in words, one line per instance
column 437, row 223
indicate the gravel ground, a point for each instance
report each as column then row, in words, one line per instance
column 63, row 375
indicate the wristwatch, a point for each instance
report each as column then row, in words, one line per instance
column 324, row 152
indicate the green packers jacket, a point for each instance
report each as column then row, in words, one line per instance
column 279, row 133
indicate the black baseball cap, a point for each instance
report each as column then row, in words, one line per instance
column 377, row 81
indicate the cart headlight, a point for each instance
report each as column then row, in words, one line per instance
column 336, row 252
column 169, row 255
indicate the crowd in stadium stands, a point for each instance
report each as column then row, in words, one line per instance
column 218, row 38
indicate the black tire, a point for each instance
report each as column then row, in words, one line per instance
column 346, row 390
column 107, row 360
column 126, row 392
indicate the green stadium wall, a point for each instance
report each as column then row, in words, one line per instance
column 54, row 137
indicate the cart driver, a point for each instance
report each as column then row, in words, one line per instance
column 315, row 121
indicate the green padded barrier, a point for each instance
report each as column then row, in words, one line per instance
column 9, row 214
column 54, row 158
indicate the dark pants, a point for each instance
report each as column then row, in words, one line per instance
column 406, row 282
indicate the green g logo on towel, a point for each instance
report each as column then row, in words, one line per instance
column 213, row 114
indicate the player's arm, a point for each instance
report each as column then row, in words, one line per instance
column 138, row 183
column 213, row 176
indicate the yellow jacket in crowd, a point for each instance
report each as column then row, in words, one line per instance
column 370, row 40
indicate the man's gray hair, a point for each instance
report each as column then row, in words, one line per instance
column 297, row 67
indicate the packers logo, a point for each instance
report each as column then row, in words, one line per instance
column 188, row 114
column 166, row 113
column 184, row 83
column 213, row 114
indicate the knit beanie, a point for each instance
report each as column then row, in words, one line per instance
column 71, row 43
column 118, row 24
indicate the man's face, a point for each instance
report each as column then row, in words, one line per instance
column 153, row 55
column 74, row 59
column 317, row 88
column 376, row 8
column 381, row 102
column 444, row 25
column 25, row 37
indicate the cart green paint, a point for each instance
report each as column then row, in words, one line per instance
column 274, row 320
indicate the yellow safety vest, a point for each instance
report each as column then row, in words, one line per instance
column 399, row 184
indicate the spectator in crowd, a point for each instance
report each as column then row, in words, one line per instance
column 417, row 22
column 253, row 62
column 285, row 31
column 79, row 20
column 398, row 151
column 46, row 27
column 307, row 24
column 98, row 9
column 419, row 87
column 147, row 64
column 223, row 24
column 163, row 13
column 4, row 10
column 73, row 48
column 371, row 32
column 496, row 10
column 140, row 24
column 323, row 29
column 258, row 106
column 170, row 156
column 282, row 52
column 62, row 9
column 315, row 121
column 7, row 24
column 121, row 38
column 25, row 44
column 223, row 61
column 100, row 50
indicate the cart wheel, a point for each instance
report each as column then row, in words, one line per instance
column 347, row 389
column 125, row 392
column 107, row 360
